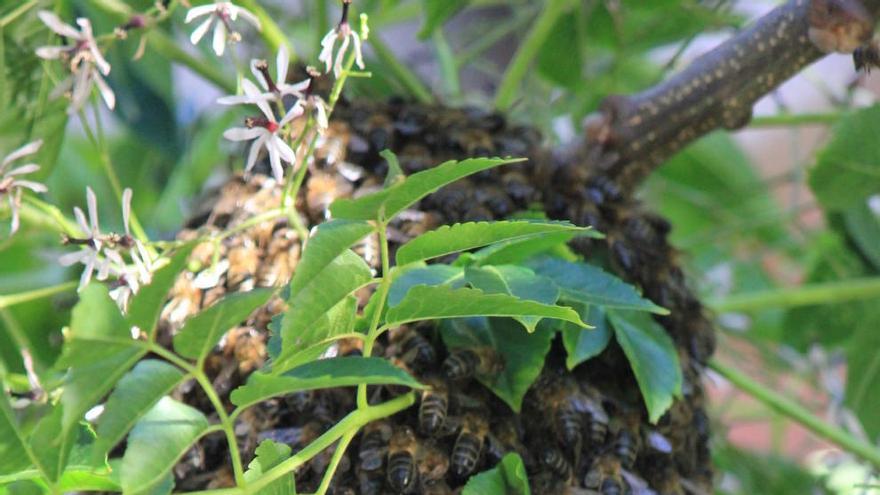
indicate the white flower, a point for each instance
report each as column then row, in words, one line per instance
column 264, row 132
column 275, row 89
column 10, row 183
column 87, row 64
column 342, row 32
column 102, row 252
column 223, row 13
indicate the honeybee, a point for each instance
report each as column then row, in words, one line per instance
column 598, row 417
column 415, row 350
column 473, row 143
column 603, row 191
column 556, row 462
column 518, row 187
column 374, row 445
column 504, row 437
column 496, row 200
column 627, row 442
column 867, row 56
column 401, row 459
column 244, row 261
column 322, row 189
column 436, row 487
column 247, row 346
column 469, row 445
column 604, row 476
column 432, row 463
column 302, row 401
column 282, row 256
column 477, row 361
column 433, row 407
column 453, row 200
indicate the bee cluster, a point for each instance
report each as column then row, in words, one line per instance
column 580, row 431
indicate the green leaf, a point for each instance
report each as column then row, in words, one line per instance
column 463, row 236
column 134, row 395
column 51, row 444
column 323, row 373
column 652, row 356
column 424, row 275
column 202, row 332
column 516, row 281
column 157, row 441
column 429, row 303
column 507, row 478
column 395, row 173
column 145, row 306
column 516, row 251
column 268, row 455
column 339, row 320
column 402, row 195
column 863, row 225
column 863, row 374
column 561, row 57
column 581, row 345
column 847, row 171
column 437, row 12
column 522, row 353
column 77, row 479
column 13, row 448
column 330, row 240
column 591, row 285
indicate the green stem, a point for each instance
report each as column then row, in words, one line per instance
column 821, row 293
column 527, row 51
column 16, row 13
column 791, row 409
column 448, row 67
column 792, row 119
column 334, row 462
column 37, row 211
column 407, row 78
column 383, row 289
column 352, row 422
column 32, row 295
column 272, row 34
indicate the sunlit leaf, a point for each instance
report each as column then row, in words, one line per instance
column 652, row 357
column 424, row 275
column 518, row 250
column 12, row 445
column 515, row 281
column 429, row 303
column 405, row 193
column 157, row 441
column 507, row 478
column 145, row 306
column 134, row 395
column 324, row 373
column 581, row 345
column 202, row 332
column 463, row 236
column 522, row 353
column 311, row 344
column 268, row 455
column 329, row 241
column 588, row 284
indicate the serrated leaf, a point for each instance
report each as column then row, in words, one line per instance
column 13, row 451
column 581, row 345
column 516, row 281
column 847, row 171
column 339, row 320
column 516, row 251
column 437, row 12
column 202, row 332
column 507, row 478
column 145, row 306
column 522, row 353
column 134, row 395
column 268, row 455
column 588, row 284
column 429, row 303
column 424, row 275
column 324, row 373
column 464, row 236
column 157, row 441
column 652, row 356
column 402, row 195
column 330, row 240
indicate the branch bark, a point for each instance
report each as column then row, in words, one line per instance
column 631, row 135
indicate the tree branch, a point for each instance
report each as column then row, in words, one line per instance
column 631, row 135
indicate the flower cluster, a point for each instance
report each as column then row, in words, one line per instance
column 344, row 34
column 86, row 63
column 102, row 253
column 11, row 183
column 220, row 15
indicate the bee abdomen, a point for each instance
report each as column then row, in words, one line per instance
column 432, row 413
column 401, row 470
column 465, row 455
column 611, row 486
column 569, row 426
column 461, row 364
column 625, row 449
column 556, row 462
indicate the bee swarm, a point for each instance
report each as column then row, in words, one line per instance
column 584, row 431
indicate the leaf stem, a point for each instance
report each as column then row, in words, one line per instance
column 334, row 462
column 36, row 210
column 792, row 119
column 16, row 13
column 820, row 293
column 527, row 52
column 384, row 287
column 9, row 300
column 448, row 67
column 791, row 409
column 407, row 78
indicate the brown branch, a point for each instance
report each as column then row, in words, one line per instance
column 632, row 135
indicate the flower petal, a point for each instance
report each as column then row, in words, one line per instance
column 106, row 93
column 51, row 52
column 92, row 203
column 33, row 186
column 81, row 220
column 340, row 55
column 253, row 91
column 284, row 150
column 275, row 160
column 200, row 31
column 28, row 149
column 71, row 258
column 254, row 152
column 55, row 24
column 282, row 61
column 295, row 111
column 259, row 75
column 219, row 42
column 100, row 61
column 82, row 86
column 126, row 209
column 358, row 56
column 242, row 133
column 14, row 202
column 27, row 168
column 199, row 12
column 326, row 55
column 246, row 15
